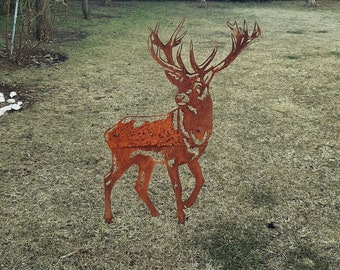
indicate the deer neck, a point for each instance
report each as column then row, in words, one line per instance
column 195, row 121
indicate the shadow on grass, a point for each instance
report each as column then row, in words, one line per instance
column 234, row 248
column 306, row 258
column 259, row 247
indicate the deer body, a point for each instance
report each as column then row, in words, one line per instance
column 177, row 138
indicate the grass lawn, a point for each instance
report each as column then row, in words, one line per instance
column 272, row 191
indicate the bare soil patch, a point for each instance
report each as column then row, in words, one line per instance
column 25, row 94
column 37, row 58
column 46, row 54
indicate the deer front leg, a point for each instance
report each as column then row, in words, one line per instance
column 142, row 184
column 177, row 187
column 196, row 170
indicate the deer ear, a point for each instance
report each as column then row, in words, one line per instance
column 174, row 77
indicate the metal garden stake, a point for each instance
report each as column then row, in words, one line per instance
column 180, row 136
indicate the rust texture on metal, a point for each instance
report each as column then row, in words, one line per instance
column 180, row 136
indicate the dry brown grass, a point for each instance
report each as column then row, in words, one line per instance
column 273, row 156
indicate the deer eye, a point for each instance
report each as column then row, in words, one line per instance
column 198, row 86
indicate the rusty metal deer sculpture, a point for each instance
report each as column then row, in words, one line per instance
column 179, row 137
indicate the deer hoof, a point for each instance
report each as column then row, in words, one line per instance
column 108, row 220
column 181, row 218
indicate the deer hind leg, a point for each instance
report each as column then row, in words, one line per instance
column 142, row 184
column 177, row 187
column 110, row 179
column 195, row 168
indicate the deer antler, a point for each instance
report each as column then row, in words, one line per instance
column 201, row 68
column 241, row 40
column 157, row 48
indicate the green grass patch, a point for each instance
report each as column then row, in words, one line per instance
column 335, row 53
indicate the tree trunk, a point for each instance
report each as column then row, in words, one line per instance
column 43, row 20
column 312, row 3
column 85, row 5
column 106, row 3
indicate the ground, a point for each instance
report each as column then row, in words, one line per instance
column 271, row 195
column 43, row 56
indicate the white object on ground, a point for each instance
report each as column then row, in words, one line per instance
column 2, row 98
column 12, row 94
column 13, row 104
column 16, row 106
column 11, row 100
column 5, row 109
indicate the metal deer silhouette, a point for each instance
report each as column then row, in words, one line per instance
column 179, row 137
